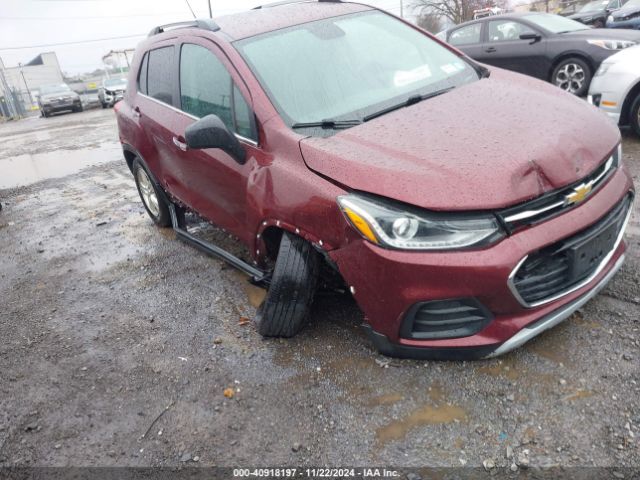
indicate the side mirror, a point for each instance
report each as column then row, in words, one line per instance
column 534, row 37
column 211, row 132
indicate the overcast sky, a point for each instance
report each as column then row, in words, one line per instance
column 42, row 23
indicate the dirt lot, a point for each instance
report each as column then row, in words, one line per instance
column 106, row 322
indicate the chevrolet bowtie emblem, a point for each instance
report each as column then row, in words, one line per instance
column 579, row 194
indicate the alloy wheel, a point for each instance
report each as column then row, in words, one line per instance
column 570, row 77
column 148, row 193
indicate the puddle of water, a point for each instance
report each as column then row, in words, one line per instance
column 387, row 399
column 500, row 369
column 426, row 415
column 550, row 352
column 580, row 394
column 26, row 169
column 255, row 295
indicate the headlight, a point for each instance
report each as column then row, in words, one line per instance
column 412, row 229
column 610, row 18
column 611, row 44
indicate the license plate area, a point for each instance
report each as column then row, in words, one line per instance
column 584, row 257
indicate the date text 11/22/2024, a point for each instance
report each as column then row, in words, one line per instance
column 318, row 472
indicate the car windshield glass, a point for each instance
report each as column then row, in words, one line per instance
column 632, row 3
column 61, row 88
column 596, row 6
column 114, row 82
column 555, row 23
column 350, row 66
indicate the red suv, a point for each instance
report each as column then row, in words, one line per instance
column 466, row 209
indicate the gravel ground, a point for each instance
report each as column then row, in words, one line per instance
column 119, row 342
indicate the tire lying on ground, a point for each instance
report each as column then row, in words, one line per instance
column 150, row 194
column 293, row 286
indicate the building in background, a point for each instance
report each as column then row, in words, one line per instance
column 20, row 85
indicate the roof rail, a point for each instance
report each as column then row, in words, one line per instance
column 203, row 23
column 287, row 2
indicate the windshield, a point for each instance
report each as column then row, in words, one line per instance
column 60, row 88
column 555, row 23
column 114, row 82
column 632, row 3
column 596, row 6
column 349, row 66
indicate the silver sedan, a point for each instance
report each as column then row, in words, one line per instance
column 615, row 88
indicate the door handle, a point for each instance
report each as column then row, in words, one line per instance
column 180, row 143
column 136, row 112
column 490, row 49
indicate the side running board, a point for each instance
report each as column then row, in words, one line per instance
column 258, row 276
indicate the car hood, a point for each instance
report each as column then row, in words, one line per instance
column 52, row 96
column 116, row 88
column 581, row 16
column 626, row 11
column 604, row 33
column 489, row 144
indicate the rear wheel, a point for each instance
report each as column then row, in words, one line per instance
column 292, row 288
column 151, row 196
column 634, row 116
column 573, row 75
column 598, row 24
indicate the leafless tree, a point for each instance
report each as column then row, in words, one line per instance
column 456, row 11
column 430, row 22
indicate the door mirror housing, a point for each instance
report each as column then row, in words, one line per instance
column 534, row 37
column 211, row 132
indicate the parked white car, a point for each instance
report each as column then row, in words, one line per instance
column 615, row 88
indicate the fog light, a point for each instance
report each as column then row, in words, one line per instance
column 440, row 319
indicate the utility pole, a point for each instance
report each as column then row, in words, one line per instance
column 25, row 84
column 210, row 12
column 401, row 10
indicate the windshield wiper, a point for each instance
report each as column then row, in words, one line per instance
column 329, row 124
column 412, row 100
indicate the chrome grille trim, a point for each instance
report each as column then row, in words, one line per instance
column 579, row 285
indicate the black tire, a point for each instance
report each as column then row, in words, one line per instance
column 293, row 286
column 104, row 105
column 598, row 24
column 44, row 114
column 573, row 75
column 634, row 115
column 80, row 109
column 159, row 213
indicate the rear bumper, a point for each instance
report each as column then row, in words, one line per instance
column 388, row 283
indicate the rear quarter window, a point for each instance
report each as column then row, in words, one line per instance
column 160, row 74
column 466, row 35
column 142, row 75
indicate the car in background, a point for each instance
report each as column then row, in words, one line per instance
column 626, row 17
column 58, row 98
column 111, row 91
column 615, row 88
column 595, row 13
column 543, row 45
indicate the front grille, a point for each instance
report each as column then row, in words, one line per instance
column 555, row 203
column 567, row 265
column 440, row 319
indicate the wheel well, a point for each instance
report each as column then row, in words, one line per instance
column 129, row 157
column 628, row 103
column 566, row 56
column 271, row 237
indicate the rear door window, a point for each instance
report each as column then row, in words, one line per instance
column 160, row 74
column 466, row 35
column 206, row 87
